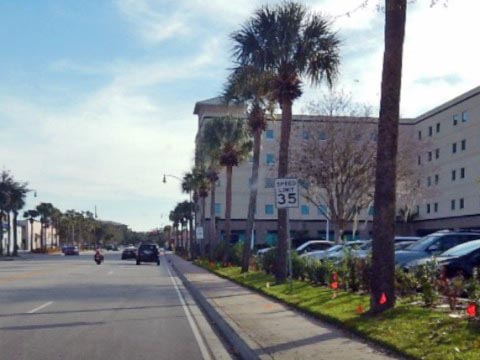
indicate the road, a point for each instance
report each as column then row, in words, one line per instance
column 56, row 307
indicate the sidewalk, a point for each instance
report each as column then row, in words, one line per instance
column 259, row 327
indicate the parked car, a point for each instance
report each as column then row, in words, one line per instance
column 335, row 251
column 129, row 253
column 148, row 253
column 351, row 247
column 459, row 260
column 71, row 250
column 433, row 245
column 314, row 245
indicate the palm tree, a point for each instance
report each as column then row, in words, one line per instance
column 6, row 184
column 17, row 202
column 290, row 42
column 383, row 255
column 189, row 187
column 245, row 84
column 230, row 137
column 31, row 215
column 45, row 211
column 56, row 218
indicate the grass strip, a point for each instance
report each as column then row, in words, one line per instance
column 410, row 330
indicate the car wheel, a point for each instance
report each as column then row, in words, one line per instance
column 138, row 262
column 158, row 262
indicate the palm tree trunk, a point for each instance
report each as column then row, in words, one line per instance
column 15, row 237
column 252, row 202
column 31, row 235
column 383, row 259
column 1, row 232
column 192, row 250
column 213, row 231
column 281, row 254
column 228, row 214
column 202, row 221
column 9, row 234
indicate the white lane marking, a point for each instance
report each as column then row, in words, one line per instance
column 110, row 272
column 40, row 307
column 193, row 325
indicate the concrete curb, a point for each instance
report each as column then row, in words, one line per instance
column 239, row 346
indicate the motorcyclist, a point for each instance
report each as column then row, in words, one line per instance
column 98, row 255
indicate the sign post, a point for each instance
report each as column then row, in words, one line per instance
column 286, row 195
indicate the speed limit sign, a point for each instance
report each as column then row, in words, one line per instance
column 286, row 191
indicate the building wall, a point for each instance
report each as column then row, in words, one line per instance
column 436, row 193
column 51, row 239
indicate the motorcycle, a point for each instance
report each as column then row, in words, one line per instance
column 98, row 258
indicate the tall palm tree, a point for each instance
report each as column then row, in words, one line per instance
column 31, row 215
column 189, row 186
column 231, row 138
column 17, row 202
column 247, row 85
column 383, row 258
column 290, row 42
column 6, row 184
column 45, row 211
column 56, row 218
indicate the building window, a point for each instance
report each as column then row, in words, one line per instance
column 269, row 209
column 270, row 159
column 322, row 135
column 430, row 131
column 454, row 148
column 371, row 211
column 437, row 153
column 454, row 175
column 218, row 208
column 419, row 160
column 435, row 207
column 428, row 208
column 305, row 135
column 464, row 144
column 464, row 116
column 462, row 173
column 462, row 203
column 305, row 209
column 437, row 179
column 269, row 183
column 419, row 135
column 429, row 181
column 418, row 209
column 438, row 128
column 269, row 134
column 429, row 156
column 452, row 204
column 455, row 119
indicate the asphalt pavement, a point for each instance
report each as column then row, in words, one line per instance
column 67, row 307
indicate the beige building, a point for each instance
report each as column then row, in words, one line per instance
column 445, row 146
column 30, row 238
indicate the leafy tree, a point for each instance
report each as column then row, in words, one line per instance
column 230, row 138
column 290, row 42
column 45, row 211
column 246, row 85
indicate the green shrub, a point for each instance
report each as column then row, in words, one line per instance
column 268, row 261
column 406, row 283
column 427, row 275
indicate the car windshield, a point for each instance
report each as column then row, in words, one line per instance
column 463, row 249
column 423, row 243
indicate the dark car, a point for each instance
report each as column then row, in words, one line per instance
column 433, row 245
column 459, row 260
column 129, row 253
column 148, row 253
column 71, row 250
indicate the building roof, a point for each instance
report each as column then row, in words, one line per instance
column 216, row 101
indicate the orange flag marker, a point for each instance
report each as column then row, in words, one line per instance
column 383, row 299
column 472, row 310
column 359, row 309
column 334, row 285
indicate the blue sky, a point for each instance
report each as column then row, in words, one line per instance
column 96, row 97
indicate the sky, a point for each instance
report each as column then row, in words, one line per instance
column 97, row 97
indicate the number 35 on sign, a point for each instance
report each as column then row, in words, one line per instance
column 286, row 193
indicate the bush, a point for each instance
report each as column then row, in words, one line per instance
column 268, row 261
column 406, row 283
column 427, row 275
column 236, row 253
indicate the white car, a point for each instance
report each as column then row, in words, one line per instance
column 314, row 245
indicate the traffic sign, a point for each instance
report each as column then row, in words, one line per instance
column 286, row 193
column 199, row 232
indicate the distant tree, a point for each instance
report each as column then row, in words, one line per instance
column 17, row 202
column 290, row 42
column 45, row 211
column 31, row 215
